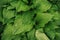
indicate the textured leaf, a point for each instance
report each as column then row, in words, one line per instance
column 43, row 18
column 23, row 23
column 50, row 30
column 20, row 6
column 8, row 14
column 41, row 36
column 8, row 32
column 43, row 5
column 31, row 35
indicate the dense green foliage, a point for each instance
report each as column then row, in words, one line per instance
column 30, row 20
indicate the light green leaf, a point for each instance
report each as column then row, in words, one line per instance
column 8, row 32
column 42, row 5
column 8, row 13
column 20, row 6
column 43, row 18
column 41, row 36
column 23, row 23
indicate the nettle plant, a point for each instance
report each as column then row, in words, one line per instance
column 29, row 19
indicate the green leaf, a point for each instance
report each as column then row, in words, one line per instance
column 10, row 7
column 23, row 37
column 23, row 23
column 42, row 5
column 20, row 6
column 4, row 2
column 16, row 37
column 8, row 13
column 31, row 35
column 57, row 30
column 50, row 30
column 25, row 1
column 43, row 18
column 56, row 17
column 41, row 30
column 41, row 36
column 57, row 37
column 8, row 32
column 1, row 19
column 53, row 8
